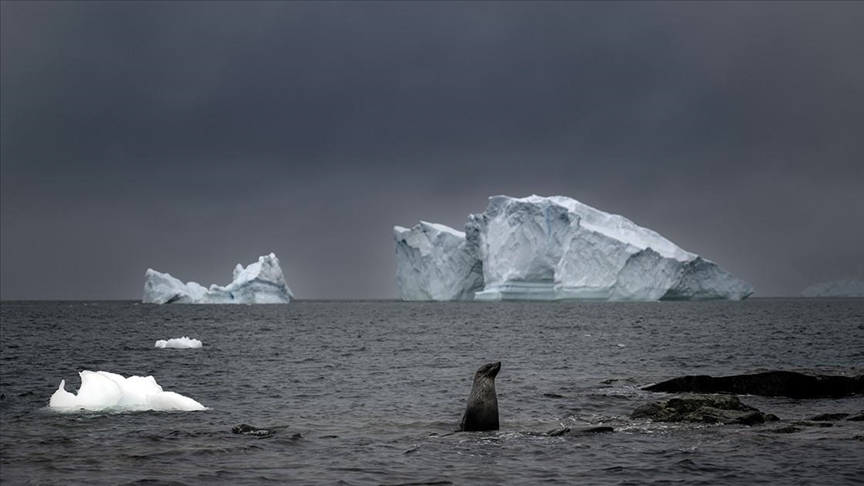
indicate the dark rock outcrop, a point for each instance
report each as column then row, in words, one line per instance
column 771, row 384
column 712, row 409
column 246, row 429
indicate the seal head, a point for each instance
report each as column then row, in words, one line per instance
column 482, row 410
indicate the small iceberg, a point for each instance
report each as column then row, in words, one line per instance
column 179, row 343
column 101, row 390
column 261, row 282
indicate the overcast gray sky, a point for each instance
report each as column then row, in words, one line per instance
column 192, row 136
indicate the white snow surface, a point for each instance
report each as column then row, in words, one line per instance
column 852, row 287
column 180, row 343
column 433, row 262
column 261, row 282
column 554, row 248
column 101, row 390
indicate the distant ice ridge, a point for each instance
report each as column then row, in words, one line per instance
column 261, row 282
column 852, row 287
column 101, row 390
column 553, row 248
column 181, row 342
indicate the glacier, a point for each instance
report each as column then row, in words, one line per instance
column 553, row 248
column 851, row 287
column 261, row 282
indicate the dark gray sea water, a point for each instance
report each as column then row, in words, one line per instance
column 371, row 387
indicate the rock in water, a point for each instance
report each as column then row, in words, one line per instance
column 772, row 384
column 569, row 432
column 553, row 248
column 712, row 409
column 246, row 429
column 261, row 282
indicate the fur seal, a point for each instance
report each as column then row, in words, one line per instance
column 482, row 410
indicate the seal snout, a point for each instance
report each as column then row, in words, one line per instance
column 490, row 370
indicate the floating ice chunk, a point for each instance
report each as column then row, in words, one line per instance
column 261, row 282
column 101, row 390
column 181, row 342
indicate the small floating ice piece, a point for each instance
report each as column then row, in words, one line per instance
column 181, row 342
column 102, row 390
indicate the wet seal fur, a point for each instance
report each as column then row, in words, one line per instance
column 481, row 413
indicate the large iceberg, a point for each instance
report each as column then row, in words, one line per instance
column 261, row 282
column 852, row 287
column 553, row 248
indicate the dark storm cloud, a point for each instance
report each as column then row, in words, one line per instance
column 188, row 136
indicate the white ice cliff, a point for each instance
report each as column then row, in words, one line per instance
column 852, row 287
column 554, row 248
column 261, row 282
column 434, row 263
